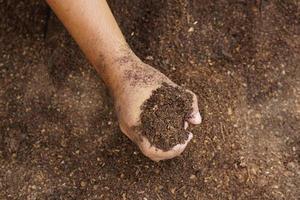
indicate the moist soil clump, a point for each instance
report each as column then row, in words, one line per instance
column 163, row 116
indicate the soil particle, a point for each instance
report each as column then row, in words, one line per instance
column 138, row 76
column 163, row 115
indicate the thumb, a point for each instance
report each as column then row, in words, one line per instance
column 194, row 117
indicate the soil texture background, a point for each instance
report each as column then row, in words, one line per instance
column 59, row 138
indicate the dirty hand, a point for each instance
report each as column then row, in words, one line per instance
column 138, row 82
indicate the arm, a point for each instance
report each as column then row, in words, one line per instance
column 96, row 31
column 131, row 81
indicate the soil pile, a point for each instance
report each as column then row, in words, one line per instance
column 163, row 116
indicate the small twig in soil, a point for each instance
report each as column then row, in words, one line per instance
column 222, row 132
column 249, row 176
column 211, row 142
column 158, row 196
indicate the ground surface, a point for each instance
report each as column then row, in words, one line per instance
column 59, row 135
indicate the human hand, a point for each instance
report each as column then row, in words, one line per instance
column 137, row 84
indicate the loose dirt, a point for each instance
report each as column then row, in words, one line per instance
column 163, row 116
column 59, row 137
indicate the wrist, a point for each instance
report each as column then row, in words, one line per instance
column 112, row 67
column 123, row 59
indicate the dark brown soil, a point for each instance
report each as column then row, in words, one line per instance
column 163, row 116
column 59, row 137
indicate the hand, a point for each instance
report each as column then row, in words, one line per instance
column 138, row 82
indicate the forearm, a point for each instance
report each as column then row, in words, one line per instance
column 92, row 25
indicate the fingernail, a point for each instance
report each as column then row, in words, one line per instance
column 186, row 125
column 190, row 136
column 195, row 118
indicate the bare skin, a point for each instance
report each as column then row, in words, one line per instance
column 130, row 80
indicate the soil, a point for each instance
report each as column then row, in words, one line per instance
column 60, row 137
column 163, row 116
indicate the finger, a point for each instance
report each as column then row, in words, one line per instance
column 181, row 147
column 194, row 117
column 185, row 125
column 157, row 154
column 128, row 133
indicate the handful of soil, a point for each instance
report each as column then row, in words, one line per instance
column 163, row 116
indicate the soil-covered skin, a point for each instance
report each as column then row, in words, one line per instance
column 163, row 116
column 59, row 137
